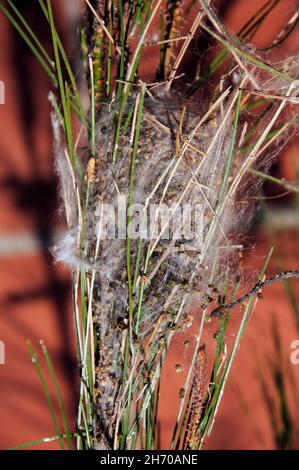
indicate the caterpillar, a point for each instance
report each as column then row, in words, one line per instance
column 259, row 286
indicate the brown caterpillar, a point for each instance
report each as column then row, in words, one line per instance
column 259, row 286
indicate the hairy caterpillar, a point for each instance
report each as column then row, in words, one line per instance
column 259, row 286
